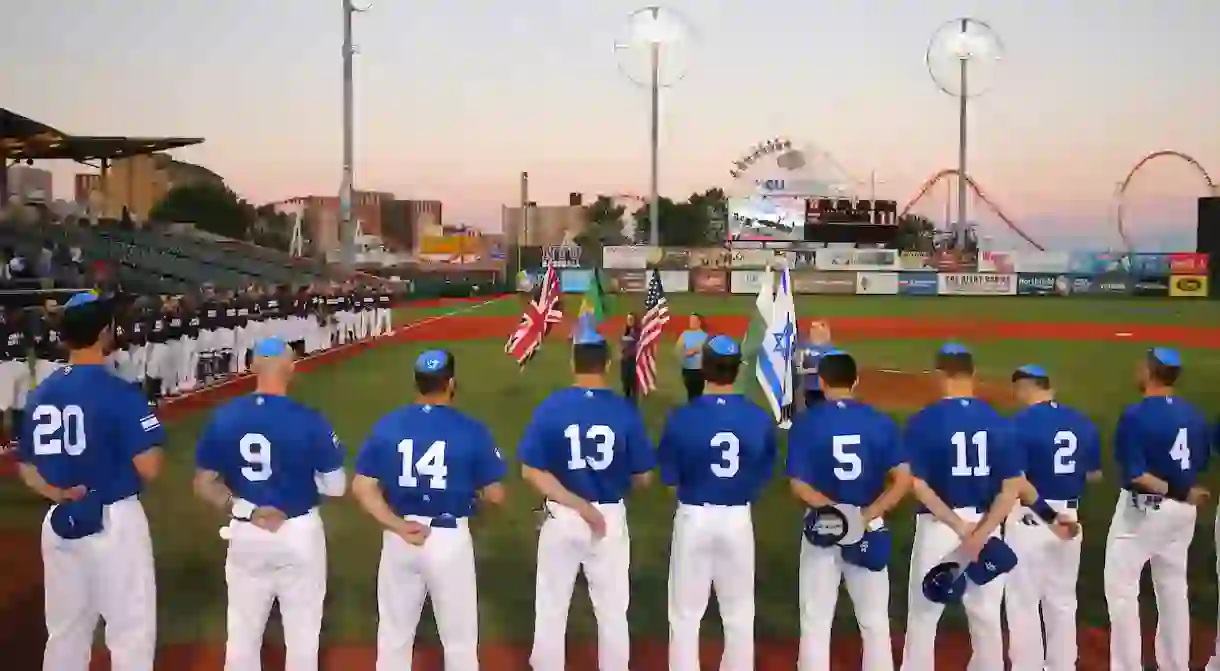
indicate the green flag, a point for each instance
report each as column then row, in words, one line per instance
column 594, row 300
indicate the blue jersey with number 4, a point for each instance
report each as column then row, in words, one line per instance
column 1057, row 447
column 431, row 460
column 592, row 440
column 1164, row 436
column 718, row 449
column 962, row 448
column 844, row 449
column 268, row 449
column 83, row 426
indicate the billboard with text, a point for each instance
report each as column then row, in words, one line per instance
column 976, row 284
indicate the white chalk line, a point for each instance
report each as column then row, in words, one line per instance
column 326, row 353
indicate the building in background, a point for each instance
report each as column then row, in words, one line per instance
column 405, row 222
column 547, row 225
column 137, row 184
column 29, row 185
column 378, row 214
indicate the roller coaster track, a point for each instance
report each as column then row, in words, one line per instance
column 978, row 192
column 1122, row 189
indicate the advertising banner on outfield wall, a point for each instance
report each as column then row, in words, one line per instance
column 675, row 281
column 1188, row 286
column 803, row 258
column 1184, row 263
column 672, row 258
column 877, row 284
column 1149, row 265
column 915, row 261
column 954, row 261
column 751, row 258
column 857, row 259
column 745, row 281
column 1151, row 286
column 917, row 284
column 630, row 281
column 1115, row 283
column 1040, row 284
column 574, row 280
column 814, row 282
column 626, row 257
column 709, row 281
column 998, row 262
column 976, row 284
column 1096, row 263
column 1043, row 262
column 710, row 257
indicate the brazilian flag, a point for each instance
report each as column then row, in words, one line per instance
column 594, row 301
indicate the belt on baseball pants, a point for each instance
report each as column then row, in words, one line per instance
column 1142, row 500
column 286, row 514
column 715, row 505
column 438, row 522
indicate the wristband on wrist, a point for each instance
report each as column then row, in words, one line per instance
column 1044, row 510
column 242, row 511
column 1178, row 492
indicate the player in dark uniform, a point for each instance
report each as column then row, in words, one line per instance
column 14, row 374
column 49, row 351
column 244, row 331
column 188, row 366
column 209, row 324
column 174, row 329
column 334, row 320
column 383, row 322
column 160, row 358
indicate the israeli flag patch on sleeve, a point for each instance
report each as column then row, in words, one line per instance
column 149, row 422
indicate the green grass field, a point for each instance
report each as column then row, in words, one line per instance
column 1096, row 377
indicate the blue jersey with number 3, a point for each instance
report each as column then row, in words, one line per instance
column 844, row 449
column 718, row 449
column 268, row 449
column 83, row 426
column 431, row 460
column 962, row 448
column 592, row 440
column 1164, row 436
column 1057, row 447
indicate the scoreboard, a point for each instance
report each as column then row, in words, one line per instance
column 844, row 211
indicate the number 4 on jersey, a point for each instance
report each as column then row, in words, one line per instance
column 1180, row 452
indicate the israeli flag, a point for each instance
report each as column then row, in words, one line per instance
column 774, row 366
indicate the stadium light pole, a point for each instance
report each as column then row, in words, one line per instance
column 347, row 242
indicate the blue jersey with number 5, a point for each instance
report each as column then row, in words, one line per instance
column 962, row 448
column 844, row 449
column 431, row 460
column 83, row 426
column 1164, row 436
column 1057, row 447
column 268, row 449
column 592, row 440
column 718, row 449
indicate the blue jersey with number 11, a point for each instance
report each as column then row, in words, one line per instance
column 962, row 448
column 718, row 449
column 591, row 440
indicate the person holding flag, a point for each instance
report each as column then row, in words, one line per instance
column 541, row 315
column 656, row 316
column 775, row 346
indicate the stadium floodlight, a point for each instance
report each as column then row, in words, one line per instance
column 962, row 59
column 347, row 238
column 654, row 53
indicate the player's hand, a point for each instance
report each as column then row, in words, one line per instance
column 963, row 529
column 1198, row 496
column 971, row 547
column 72, row 494
column 595, row 519
column 413, row 533
column 1065, row 528
column 268, row 518
column 867, row 515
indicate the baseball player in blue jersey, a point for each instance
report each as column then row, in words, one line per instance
column 419, row 474
column 1059, row 450
column 967, row 483
column 266, row 460
column 584, row 449
column 1161, row 445
column 718, row 452
column 89, row 443
column 843, row 451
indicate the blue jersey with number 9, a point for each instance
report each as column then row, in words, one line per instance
column 718, row 449
column 592, row 440
column 83, row 426
column 844, row 449
column 962, row 449
column 430, row 460
column 268, row 449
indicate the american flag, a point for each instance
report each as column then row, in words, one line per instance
column 542, row 313
column 656, row 316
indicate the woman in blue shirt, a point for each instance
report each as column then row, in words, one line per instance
column 690, row 349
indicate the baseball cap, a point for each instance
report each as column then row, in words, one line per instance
column 838, row 524
column 1167, row 357
column 953, row 348
column 945, row 583
column 586, row 333
column 81, row 299
column 270, row 347
column 72, row 520
column 995, row 559
column 724, row 346
column 872, row 552
column 432, row 361
column 1030, row 370
column 835, row 352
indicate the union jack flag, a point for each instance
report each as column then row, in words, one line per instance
column 656, row 316
column 541, row 315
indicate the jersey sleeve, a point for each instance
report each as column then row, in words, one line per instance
column 208, row 448
column 531, row 449
column 139, row 429
column 367, row 459
column 1127, row 449
column 489, row 463
column 640, row 454
column 667, row 450
column 329, row 452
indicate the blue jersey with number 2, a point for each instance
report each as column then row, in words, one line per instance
column 962, row 448
column 592, row 440
column 718, row 449
column 844, row 449
column 268, row 449
column 431, row 460
column 83, row 426
column 1057, row 447
column 1164, row 436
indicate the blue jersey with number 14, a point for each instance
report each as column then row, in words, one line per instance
column 431, row 460
column 268, row 449
column 844, row 449
column 1057, row 447
column 1164, row 436
column 718, row 449
column 962, row 448
column 591, row 440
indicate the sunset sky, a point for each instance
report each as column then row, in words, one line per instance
column 454, row 98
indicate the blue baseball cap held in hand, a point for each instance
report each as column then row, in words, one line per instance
column 872, row 552
column 270, row 347
column 995, row 559
column 945, row 583
column 431, row 361
column 73, row 520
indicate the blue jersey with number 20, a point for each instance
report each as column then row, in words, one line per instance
column 962, row 448
column 1057, row 448
column 83, row 426
column 718, row 449
column 268, row 449
column 1164, row 436
column 592, row 440
column 844, row 449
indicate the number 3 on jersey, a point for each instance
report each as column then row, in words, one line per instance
column 730, row 454
column 430, row 464
column 602, row 438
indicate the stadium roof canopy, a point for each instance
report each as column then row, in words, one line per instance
column 23, row 138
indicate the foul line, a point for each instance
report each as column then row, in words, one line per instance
column 332, row 351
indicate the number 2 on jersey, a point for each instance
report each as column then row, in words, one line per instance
column 431, row 464
column 963, row 467
column 1065, row 453
column 603, row 444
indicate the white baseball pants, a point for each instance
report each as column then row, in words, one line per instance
column 263, row 567
column 441, row 569
column 1041, row 589
column 108, row 575
column 565, row 547
column 712, row 548
column 14, row 376
column 934, row 541
column 822, row 569
column 383, row 325
column 1159, row 536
